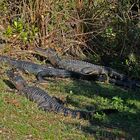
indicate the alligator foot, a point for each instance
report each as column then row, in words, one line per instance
column 89, row 71
column 103, row 78
column 107, row 80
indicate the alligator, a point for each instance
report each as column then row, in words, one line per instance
column 47, row 103
column 42, row 98
column 40, row 71
column 78, row 66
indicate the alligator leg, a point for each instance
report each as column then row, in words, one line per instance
column 40, row 78
column 107, row 79
column 92, row 71
column 44, row 106
column 103, row 78
column 89, row 71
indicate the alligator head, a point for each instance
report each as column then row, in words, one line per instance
column 16, row 79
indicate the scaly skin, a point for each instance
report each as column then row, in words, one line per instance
column 86, row 68
column 44, row 71
column 39, row 70
column 78, row 66
column 42, row 98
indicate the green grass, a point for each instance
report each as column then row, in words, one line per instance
column 21, row 119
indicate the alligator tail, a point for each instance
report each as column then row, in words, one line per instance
column 75, row 113
column 114, row 74
column 81, row 114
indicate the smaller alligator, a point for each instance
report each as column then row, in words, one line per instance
column 45, row 101
column 40, row 71
column 77, row 65
column 42, row 98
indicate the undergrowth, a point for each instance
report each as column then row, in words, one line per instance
column 102, row 31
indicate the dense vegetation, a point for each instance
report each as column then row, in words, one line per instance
column 105, row 32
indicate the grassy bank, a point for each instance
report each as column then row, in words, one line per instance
column 21, row 119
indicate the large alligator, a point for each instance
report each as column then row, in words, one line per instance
column 88, row 69
column 40, row 71
column 77, row 65
column 44, row 100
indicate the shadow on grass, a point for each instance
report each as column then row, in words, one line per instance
column 127, row 120
column 89, row 89
column 118, row 125
column 102, row 131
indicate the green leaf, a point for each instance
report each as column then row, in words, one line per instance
column 8, row 31
column 15, row 24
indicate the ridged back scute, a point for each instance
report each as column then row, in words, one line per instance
column 50, row 105
column 36, row 94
